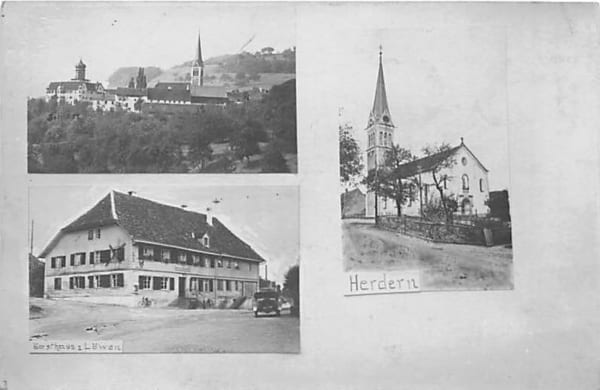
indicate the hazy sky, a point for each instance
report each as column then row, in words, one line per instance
column 47, row 39
column 265, row 217
column 442, row 84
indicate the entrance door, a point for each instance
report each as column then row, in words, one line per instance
column 182, row 286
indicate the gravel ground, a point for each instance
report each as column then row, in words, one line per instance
column 165, row 329
column 443, row 266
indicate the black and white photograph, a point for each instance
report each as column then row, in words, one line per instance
column 161, row 88
column 199, row 269
column 424, row 158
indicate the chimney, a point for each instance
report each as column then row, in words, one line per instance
column 131, row 193
column 184, row 206
column 209, row 216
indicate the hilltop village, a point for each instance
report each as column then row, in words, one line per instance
column 203, row 122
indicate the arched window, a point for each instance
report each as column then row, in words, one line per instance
column 465, row 182
column 481, row 185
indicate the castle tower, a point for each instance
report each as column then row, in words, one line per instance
column 380, row 135
column 198, row 67
column 80, row 71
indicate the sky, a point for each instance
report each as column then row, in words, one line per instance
column 49, row 38
column 442, row 84
column 248, row 211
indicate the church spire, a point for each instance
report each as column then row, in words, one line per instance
column 199, row 52
column 380, row 113
column 197, row 78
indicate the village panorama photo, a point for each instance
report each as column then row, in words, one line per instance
column 161, row 88
column 423, row 165
column 164, row 269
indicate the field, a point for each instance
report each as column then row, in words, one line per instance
column 443, row 266
column 164, row 329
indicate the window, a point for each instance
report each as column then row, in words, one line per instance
column 219, row 263
column 212, row 263
column 237, row 286
column 464, row 161
column 196, row 260
column 182, row 257
column 144, row 282
column 72, row 260
column 90, row 234
column 481, row 185
column 53, row 262
column 465, row 182
column 63, row 261
column 57, row 284
column 81, row 258
column 91, row 283
column 219, row 285
column 76, row 282
column 236, row 265
column 146, row 252
column 97, row 233
column 228, row 263
column 104, row 281
column 166, row 255
column 249, row 266
column 116, row 280
column 91, row 257
column 103, row 256
column 206, row 241
column 228, row 285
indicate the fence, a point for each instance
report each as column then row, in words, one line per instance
column 441, row 232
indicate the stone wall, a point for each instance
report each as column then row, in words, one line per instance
column 440, row 232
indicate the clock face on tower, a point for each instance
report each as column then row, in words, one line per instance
column 386, row 119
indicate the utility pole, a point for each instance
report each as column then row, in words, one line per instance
column 31, row 242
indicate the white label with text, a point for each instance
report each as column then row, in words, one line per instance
column 382, row 282
column 78, row 346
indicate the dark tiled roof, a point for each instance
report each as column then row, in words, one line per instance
column 130, row 92
column 211, row 91
column 68, row 86
column 173, row 85
column 426, row 164
column 170, row 95
column 146, row 220
column 99, row 215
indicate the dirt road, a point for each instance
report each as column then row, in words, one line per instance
column 166, row 329
column 443, row 266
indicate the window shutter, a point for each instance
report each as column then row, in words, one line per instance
column 121, row 254
column 63, row 261
column 140, row 252
column 82, row 258
column 171, row 284
column 53, row 262
column 70, row 283
column 91, row 257
column 156, row 283
column 72, row 259
column 120, row 280
column 140, row 282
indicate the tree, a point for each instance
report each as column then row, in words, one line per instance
column 440, row 175
column 291, row 287
column 390, row 181
column 273, row 161
column 350, row 157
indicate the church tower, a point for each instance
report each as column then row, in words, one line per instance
column 380, row 135
column 198, row 67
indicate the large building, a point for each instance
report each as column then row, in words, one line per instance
column 163, row 97
column 459, row 172
column 126, row 247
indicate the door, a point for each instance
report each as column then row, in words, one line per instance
column 182, row 286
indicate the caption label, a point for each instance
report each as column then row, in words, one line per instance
column 382, row 282
column 100, row 346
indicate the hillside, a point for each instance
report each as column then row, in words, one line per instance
column 234, row 71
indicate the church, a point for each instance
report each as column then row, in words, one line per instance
column 465, row 178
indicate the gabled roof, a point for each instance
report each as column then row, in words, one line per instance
column 173, row 85
column 169, row 95
column 211, row 91
column 427, row 164
column 149, row 221
column 72, row 85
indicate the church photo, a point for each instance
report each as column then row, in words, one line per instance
column 185, row 93
column 424, row 178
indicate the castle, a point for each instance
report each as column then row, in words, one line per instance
column 137, row 96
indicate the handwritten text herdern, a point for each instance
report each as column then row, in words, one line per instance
column 361, row 283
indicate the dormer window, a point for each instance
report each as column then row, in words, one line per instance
column 206, row 241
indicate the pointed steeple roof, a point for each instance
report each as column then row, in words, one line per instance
column 199, row 60
column 380, row 113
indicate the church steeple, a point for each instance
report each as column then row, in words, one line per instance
column 380, row 113
column 198, row 66
column 80, row 71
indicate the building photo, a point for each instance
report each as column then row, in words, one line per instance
column 129, row 262
column 423, row 163
column 179, row 94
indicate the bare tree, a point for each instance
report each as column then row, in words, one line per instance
column 440, row 175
